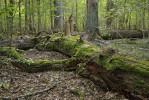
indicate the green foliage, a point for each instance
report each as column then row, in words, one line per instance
column 106, row 36
column 4, row 85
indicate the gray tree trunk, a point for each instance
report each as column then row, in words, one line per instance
column 20, row 25
column 39, row 16
column 92, row 19
column 10, row 18
column 33, row 17
column 1, row 22
column 110, row 5
column 6, row 15
column 51, row 14
column 76, row 24
column 143, row 19
column 58, row 20
column 26, row 19
column 30, row 16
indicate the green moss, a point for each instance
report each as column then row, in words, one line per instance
column 32, row 66
column 86, row 52
column 34, row 39
column 127, row 64
column 78, row 93
column 10, row 52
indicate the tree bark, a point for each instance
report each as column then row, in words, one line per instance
column 1, row 22
column 143, row 20
column 92, row 19
column 67, row 29
column 33, row 17
column 58, row 20
column 51, row 14
column 26, row 16
column 20, row 25
column 30, row 16
column 76, row 24
column 6, row 15
column 39, row 16
column 110, row 5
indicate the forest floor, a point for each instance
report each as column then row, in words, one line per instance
column 133, row 48
column 48, row 85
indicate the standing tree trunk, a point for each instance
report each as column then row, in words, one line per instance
column 143, row 19
column 39, row 16
column 71, row 22
column 33, row 17
column 45, row 16
column 110, row 5
column 76, row 24
column 92, row 19
column 26, row 12
column 136, row 20
column 58, row 20
column 6, row 16
column 10, row 18
column 20, row 25
column 148, row 21
column 51, row 14
column 30, row 16
column 1, row 22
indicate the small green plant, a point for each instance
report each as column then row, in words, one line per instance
column 106, row 36
column 77, row 92
column 5, row 85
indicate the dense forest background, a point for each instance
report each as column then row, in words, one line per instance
column 32, row 16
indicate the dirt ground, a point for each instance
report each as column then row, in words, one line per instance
column 49, row 85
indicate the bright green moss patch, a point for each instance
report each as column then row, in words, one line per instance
column 86, row 52
column 10, row 52
column 127, row 64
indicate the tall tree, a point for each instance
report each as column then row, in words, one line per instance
column 76, row 24
column 92, row 19
column 1, row 23
column 33, row 16
column 39, row 16
column 51, row 14
column 26, row 12
column 10, row 18
column 58, row 20
column 143, row 19
column 6, row 10
column 110, row 6
column 20, row 25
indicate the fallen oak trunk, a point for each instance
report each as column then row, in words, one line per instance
column 88, row 61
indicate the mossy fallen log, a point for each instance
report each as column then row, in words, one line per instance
column 81, row 50
column 33, row 66
column 87, row 59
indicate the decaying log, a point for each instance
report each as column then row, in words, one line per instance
column 119, row 34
